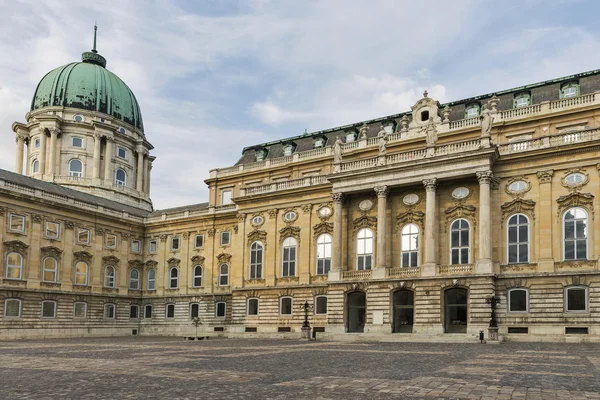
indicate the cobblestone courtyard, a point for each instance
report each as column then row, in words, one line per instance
column 169, row 368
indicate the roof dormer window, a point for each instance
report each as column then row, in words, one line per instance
column 350, row 136
column 522, row 100
column 472, row 110
column 570, row 89
column 388, row 127
column 288, row 149
column 261, row 154
column 319, row 142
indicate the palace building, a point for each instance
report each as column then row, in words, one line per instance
column 404, row 225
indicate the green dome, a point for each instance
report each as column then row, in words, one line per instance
column 88, row 85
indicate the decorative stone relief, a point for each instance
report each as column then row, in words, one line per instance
column 411, row 200
column 257, row 235
column 324, row 212
column 151, row 264
column 37, row 218
column 69, row 224
column 484, row 177
column 252, row 294
column 409, row 217
column 110, row 260
column 257, row 220
column 364, row 222
column 15, row 245
column 289, row 231
column 575, row 179
column 517, row 283
column 173, row 262
column 211, row 232
column 459, row 211
column 135, row 263
column 518, row 186
column 337, row 197
column 82, row 255
column 518, row 205
column 198, row 260
column 51, row 251
column 163, row 238
column 366, row 205
column 381, row 191
column 224, row 258
column 545, row 176
column 575, row 199
column 323, row 227
column 241, row 218
column 272, row 213
column 430, row 184
column 306, row 208
column 289, row 216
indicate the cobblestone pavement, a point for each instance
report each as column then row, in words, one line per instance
column 170, row 368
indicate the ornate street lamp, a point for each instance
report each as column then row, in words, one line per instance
column 306, row 325
column 493, row 301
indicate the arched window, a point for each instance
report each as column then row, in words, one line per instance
column 134, row 279
column 364, row 249
column 173, row 278
column 518, row 239
column 14, row 266
column 13, row 308
column 35, row 166
column 197, row 276
column 575, row 229
column 289, row 257
column 194, row 310
column 518, row 300
column 252, row 307
column 223, row 275
column 49, row 269
column 151, row 280
column 409, row 243
column 75, row 168
column 256, row 260
column 81, row 273
column 323, row 254
column 459, row 242
column 109, row 276
column 120, row 177
column 220, row 309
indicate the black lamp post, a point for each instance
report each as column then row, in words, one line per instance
column 306, row 307
column 493, row 301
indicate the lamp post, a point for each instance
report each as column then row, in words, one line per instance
column 306, row 325
column 493, row 301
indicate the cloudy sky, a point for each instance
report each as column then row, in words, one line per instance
column 213, row 76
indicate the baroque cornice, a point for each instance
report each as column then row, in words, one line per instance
column 516, row 206
column 575, row 199
column 409, row 217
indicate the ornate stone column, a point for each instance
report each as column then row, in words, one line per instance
column 42, row 153
column 336, row 247
column 428, row 267
column 140, row 169
column 484, row 261
column 97, row 150
column 382, row 192
column 544, row 222
column 20, row 151
column 108, row 155
column 147, row 173
column 52, row 160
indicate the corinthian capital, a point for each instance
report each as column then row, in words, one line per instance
column 484, row 177
column 430, row 184
column 337, row 197
column 382, row 191
column 545, row 176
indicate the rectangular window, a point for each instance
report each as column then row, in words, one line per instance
column 134, row 311
column 518, row 300
column 121, row 152
column 12, row 308
column 170, row 312
column 321, row 305
column 225, row 239
column 285, row 306
column 77, row 142
column 198, row 241
column 52, row 230
column 220, row 309
column 79, row 310
column 109, row 311
column 576, row 299
column 111, row 241
column 48, row 309
column 194, row 310
column 83, row 236
column 136, row 246
column 148, row 311
column 16, row 223
column 152, row 246
column 252, row 306
column 175, row 243
column 226, row 197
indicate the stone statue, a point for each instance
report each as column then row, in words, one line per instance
column 364, row 130
column 431, row 133
column 383, row 144
column 486, row 121
column 337, row 150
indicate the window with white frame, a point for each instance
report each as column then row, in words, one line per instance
column 109, row 276
column 134, row 279
column 323, row 254
column 80, row 310
column 151, row 284
column 13, row 308
column 576, row 299
column 175, row 243
column 252, row 307
column 76, row 142
column 76, row 168
column 256, row 260
column 575, row 231
column 50, row 270
column 319, row 142
column 226, row 197
column 220, row 309
column 16, row 223
column 83, row 236
column 148, row 311
column 198, row 241
column 111, row 241
column 225, row 238
column 568, row 90
column 136, row 246
column 260, row 154
column 48, row 309
column 173, row 278
column 459, row 242
column 170, row 311
column 120, row 177
column 35, row 166
column 364, row 249
column 518, row 300
column 472, row 111
column 194, row 310
column 522, row 100
column 409, row 244
column 197, row 278
column 288, row 149
column 152, row 246
column 52, row 230
column 223, row 275
column 81, row 273
column 121, row 152
column 134, row 311
column 285, row 306
column 110, row 311
column 289, row 257
column 321, row 305
column 14, row 266
column 350, row 137
column 518, row 239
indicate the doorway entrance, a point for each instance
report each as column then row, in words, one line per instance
column 404, row 311
column 356, row 306
column 455, row 310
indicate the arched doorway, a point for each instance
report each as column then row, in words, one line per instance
column 455, row 310
column 404, row 311
column 356, row 308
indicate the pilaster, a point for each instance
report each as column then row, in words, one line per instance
column 484, row 260
column 336, row 246
column 428, row 267
column 544, row 221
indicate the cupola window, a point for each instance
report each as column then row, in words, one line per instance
column 121, row 152
column 77, row 142
column 78, row 118
column 75, row 168
column 120, row 177
column 36, row 143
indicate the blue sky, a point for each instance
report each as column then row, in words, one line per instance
column 215, row 76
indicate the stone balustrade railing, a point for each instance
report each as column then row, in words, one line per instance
column 401, row 272
column 290, row 184
column 455, row 269
column 464, row 123
column 360, row 274
column 550, row 141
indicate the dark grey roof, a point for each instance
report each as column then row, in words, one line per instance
column 67, row 192
column 191, row 207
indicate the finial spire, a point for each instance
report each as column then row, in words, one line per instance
column 95, row 30
column 92, row 56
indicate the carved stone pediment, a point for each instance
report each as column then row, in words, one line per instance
column 110, row 260
column 289, row 231
column 410, row 217
column 198, row 260
column 257, row 235
column 518, row 205
column 15, row 245
column 364, row 221
column 173, row 262
column 224, row 258
column 135, row 263
column 82, row 255
column 51, row 251
column 575, row 199
column 151, row 264
column 459, row 211
column 323, row 227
